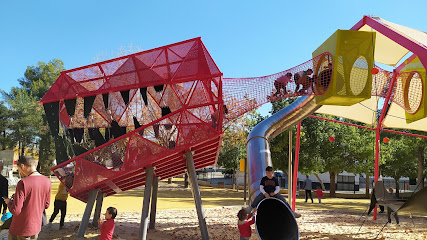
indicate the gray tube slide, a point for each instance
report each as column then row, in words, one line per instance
column 273, row 220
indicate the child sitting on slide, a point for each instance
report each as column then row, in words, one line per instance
column 269, row 187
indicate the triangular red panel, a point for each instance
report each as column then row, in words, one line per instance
column 212, row 66
column 124, row 76
column 183, row 48
column 145, row 74
column 63, row 88
column 110, row 156
column 88, row 173
column 93, row 85
column 214, row 89
column 172, row 57
column 171, row 121
column 162, row 71
column 203, row 113
column 199, row 95
column 173, row 68
column 98, row 106
column 52, row 94
column 149, row 57
column 194, row 65
column 111, row 67
column 142, row 152
column 170, row 99
column 157, row 96
column 161, row 59
column 151, row 112
column 194, row 133
column 184, row 89
column 188, row 118
column 63, row 115
column 85, row 74
column 73, row 90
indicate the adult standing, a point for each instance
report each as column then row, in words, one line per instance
column 60, row 204
column 31, row 198
column 308, row 186
column 4, row 191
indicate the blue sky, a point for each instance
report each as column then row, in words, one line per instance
column 245, row 38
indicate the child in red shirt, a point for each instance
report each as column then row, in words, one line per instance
column 319, row 194
column 244, row 224
column 107, row 226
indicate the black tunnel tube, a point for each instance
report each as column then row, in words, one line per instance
column 275, row 221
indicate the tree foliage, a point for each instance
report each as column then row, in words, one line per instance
column 27, row 127
column 233, row 146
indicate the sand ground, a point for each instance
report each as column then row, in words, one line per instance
column 176, row 217
column 183, row 225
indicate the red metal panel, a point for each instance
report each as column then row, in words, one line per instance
column 179, row 112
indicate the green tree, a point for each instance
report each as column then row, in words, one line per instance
column 26, row 119
column 233, row 146
column 5, row 140
column 400, row 160
column 363, row 151
column 29, row 127
column 421, row 145
column 38, row 79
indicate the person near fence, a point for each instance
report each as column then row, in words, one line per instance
column 31, row 198
column 319, row 194
column 4, row 192
column 390, row 211
column 60, row 204
column 308, row 186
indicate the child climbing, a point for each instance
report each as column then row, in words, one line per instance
column 244, row 224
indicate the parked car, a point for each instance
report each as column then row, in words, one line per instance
column 228, row 173
column 278, row 174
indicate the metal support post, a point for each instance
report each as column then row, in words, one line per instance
column 290, row 169
column 86, row 214
column 191, row 170
column 98, row 208
column 154, row 203
column 146, row 204
column 246, row 182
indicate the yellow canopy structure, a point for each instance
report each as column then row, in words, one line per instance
column 393, row 42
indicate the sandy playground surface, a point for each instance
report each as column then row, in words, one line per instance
column 334, row 218
column 183, row 224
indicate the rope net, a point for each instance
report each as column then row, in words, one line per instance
column 242, row 95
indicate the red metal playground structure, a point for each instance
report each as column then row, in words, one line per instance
column 133, row 120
